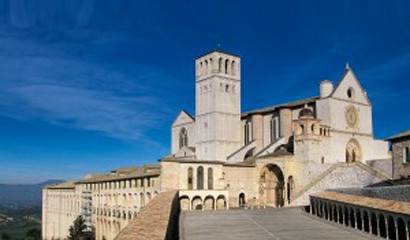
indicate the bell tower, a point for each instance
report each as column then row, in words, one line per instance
column 218, row 107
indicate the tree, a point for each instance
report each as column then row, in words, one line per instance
column 5, row 236
column 80, row 231
column 33, row 234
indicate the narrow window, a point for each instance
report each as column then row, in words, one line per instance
column 233, row 72
column 200, row 178
column 183, row 138
column 226, row 66
column 220, row 65
column 210, row 178
column 273, row 127
column 190, row 178
column 406, row 156
column 247, row 131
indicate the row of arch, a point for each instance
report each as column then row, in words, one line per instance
column 382, row 224
column 123, row 200
column 225, row 66
column 208, row 203
column 107, row 229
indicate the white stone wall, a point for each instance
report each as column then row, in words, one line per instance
column 217, row 106
column 115, row 205
column 60, row 208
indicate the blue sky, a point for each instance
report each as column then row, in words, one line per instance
column 90, row 86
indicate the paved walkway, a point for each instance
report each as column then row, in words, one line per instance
column 278, row 224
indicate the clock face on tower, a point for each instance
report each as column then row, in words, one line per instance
column 351, row 116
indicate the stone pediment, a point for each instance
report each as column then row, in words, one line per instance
column 350, row 89
column 183, row 119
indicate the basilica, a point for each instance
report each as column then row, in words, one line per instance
column 224, row 158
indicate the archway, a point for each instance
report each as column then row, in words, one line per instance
column 185, row 203
column 353, row 151
column 221, row 203
column 271, row 183
column 209, row 203
column 242, row 200
column 289, row 188
column 197, row 203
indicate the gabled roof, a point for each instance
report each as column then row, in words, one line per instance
column 283, row 105
column 183, row 114
column 345, row 77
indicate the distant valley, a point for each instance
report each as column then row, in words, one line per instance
column 22, row 195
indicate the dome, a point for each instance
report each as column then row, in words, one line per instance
column 306, row 112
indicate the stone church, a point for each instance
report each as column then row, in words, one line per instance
column 224, row 158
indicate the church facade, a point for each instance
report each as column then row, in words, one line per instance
column 224, row 158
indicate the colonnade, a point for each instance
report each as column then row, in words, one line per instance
column 381, row 223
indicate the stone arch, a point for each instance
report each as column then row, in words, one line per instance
column 271, row 184
column 248, row 154
column 373, row 223
column 346, row 216
column 221, row 202
column 185, row 203
column 209, row 203
column 226, row 66
column 289, row 188
column 353, row 151
column 242, row 199
column 148, row 194
column 155, row 193
column 197, row 203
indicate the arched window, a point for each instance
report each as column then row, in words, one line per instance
column 190, row 178
column 220, row 65
column 227, row 88
column 183, row 138
column 406, row 155
column 226, row 66
column 233, row 72
column 210, row 178
column 247, row 133
column 290, row 185
column 200, row 178
column 274, row 134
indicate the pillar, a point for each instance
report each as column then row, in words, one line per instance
column 395, row 228
column 362, row 216
column 355, row 218
column 378, row 226
column 386, row 224
column 407, row 229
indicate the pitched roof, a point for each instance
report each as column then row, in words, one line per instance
column 144, row 171
column 400, row 135
column 64, row 185
column 283, row 105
